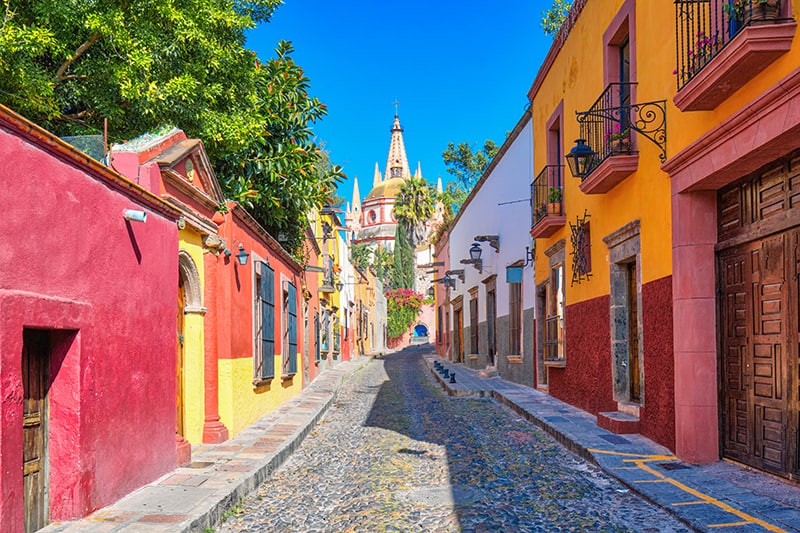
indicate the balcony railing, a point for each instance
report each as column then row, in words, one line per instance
column 705, row 27
column 608, row 125
column 547, row 194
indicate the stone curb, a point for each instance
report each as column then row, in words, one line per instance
column 208, row 507
column 578, row 431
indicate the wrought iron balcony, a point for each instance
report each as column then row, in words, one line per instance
column 746, row 35
column 705, row 27
column 608, row 125
column 547, row 201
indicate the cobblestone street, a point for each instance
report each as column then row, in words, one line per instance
column 395, row 454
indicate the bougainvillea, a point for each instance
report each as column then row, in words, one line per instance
column 403, row 306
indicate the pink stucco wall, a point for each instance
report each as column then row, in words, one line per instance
column 109, row 288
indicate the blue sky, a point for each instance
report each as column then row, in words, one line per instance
column 460, row 70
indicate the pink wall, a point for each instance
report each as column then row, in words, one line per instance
column 71, row 263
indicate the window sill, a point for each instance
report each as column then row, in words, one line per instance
column 559, row 363
column 609, row 173
column 288, row 377
column 547, row 226
column 750, row 52
column 472, row 357
column 514, row 359
column 265, row 382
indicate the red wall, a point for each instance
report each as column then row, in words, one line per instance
column 71, row 263
column 585, row 382
column 657, row 417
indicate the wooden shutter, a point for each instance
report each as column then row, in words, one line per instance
column 292, row 290
column 267, row 321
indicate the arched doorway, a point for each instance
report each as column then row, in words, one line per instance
column 189, row 351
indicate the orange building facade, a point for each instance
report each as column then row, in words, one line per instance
column 666, row 264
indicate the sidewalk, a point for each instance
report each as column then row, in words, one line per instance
column 195, row 497
column 722, row 497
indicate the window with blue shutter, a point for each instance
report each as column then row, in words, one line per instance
column 267, row 298
column 292, row 317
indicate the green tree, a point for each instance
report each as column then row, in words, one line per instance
column 361, row 255
column 466, row 166
column 402, row 272
column 553, row 18
column 68, row 64
column 414, row 205
column 281, row 174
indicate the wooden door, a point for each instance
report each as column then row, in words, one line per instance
column 459, row 336
column 35, row 363
column 179, row 424
column 756, row 317
column 491, row 321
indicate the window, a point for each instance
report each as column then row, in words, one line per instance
column 554, row 322
column 318, row 339
column 289, row 329
column 264, row 319
column 514, row 318
column 473, row 324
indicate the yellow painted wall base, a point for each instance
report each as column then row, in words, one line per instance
column 240, row 403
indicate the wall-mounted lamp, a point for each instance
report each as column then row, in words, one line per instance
column 449, row 282
column 339, row 286
column 134, row 215
column 242, row 255
column 227, row 252
column 474, row 257
column 580, row 159
column 475, row 252
column 528, row 256
column 493, row 240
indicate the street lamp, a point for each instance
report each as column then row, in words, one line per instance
column 475, row 252
column 242, row 255
column 580, row 159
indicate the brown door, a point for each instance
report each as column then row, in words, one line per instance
column 459, row 336
column 179, row 423
column 758, row 324
column 35, row 363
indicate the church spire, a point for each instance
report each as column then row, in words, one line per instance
column 376, row 178
column 397, row 162
column 356, row 195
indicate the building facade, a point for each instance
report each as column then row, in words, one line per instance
column 89, row 402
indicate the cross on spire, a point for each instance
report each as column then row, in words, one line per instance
column 396, row 104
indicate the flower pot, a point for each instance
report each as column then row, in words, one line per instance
column 762, row 13
column 619, row 145
column 554, row 208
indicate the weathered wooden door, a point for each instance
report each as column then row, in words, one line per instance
column 35, row 363
column 758, row 322
column 459, row 320
column 179, row 424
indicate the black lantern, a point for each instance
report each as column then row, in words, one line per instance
column 475, row 252
column 242, row 255
column 580, row 159
column 339, row 286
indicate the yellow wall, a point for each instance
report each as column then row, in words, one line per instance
column 193, row 348
column 240, row 404
column 577, row 77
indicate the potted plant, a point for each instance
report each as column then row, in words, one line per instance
column 743, row 12
column 618, row 139
column 554, row 196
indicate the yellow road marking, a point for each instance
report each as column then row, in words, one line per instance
column 640, row 461
column 651, row 481
column 689, row 503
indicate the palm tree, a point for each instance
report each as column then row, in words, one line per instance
column 414, row 205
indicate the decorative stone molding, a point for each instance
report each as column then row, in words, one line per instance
column 191, row 283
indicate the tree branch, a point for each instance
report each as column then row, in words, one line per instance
column 78, row 53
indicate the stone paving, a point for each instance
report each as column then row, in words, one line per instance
column 396, row 454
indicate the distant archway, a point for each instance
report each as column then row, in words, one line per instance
column 420, row 330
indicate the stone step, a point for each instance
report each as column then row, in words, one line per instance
column 618, row 422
